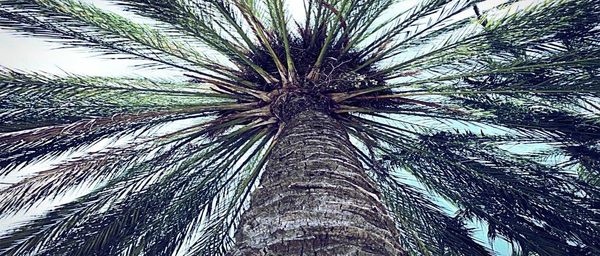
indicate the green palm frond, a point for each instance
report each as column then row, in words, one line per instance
column 215, row 238
column 205, row 21
column 60, row 179
column 38, row 99
column 203, row 184
column 466, row 163
column 35, row 144
column 204, row 171
column 425, row 229
column 92, row 26
column 471, row 46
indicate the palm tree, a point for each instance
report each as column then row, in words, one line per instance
column 337, row 134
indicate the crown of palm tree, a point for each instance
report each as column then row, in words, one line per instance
column 436, row 92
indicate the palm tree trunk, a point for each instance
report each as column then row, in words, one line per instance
column 315, row 198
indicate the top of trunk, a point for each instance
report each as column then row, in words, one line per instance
column 290, row 102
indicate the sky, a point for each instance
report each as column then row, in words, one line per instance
column 34, row 54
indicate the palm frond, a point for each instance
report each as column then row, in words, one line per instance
column 33, row 100
column 55, row 181
column 205, row 20
column 424, row 228
column 520, row 199
column 49, row 141
column 215, row 238
column 172, row 213
column 525, row 202
column 508, row 35
column 405, row 24
column 163, row 173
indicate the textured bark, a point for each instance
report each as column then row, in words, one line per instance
column 314, row 198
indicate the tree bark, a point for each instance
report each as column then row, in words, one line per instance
column 315, row 198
